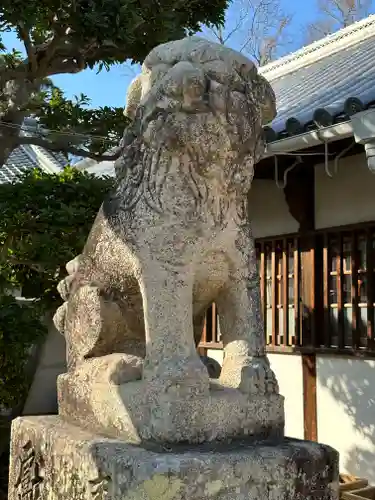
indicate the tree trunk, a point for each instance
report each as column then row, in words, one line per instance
column 14, row 97
column 7, row 145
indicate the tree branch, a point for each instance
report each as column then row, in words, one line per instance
column 64, row 66
column 35, row 266
column 44, row 143
column 237, row 27
column 18, row 73
column 336, row 14
column 30, row 49
column 51, row 48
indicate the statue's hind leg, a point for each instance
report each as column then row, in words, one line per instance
column 245, row 365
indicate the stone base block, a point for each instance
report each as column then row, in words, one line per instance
column 123, row 411
column 53, row 460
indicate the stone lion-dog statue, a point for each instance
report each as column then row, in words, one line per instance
column 174, row 235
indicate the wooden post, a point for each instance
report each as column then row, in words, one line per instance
column 300, row 197
column 370, row 289
column 309, row 397
column 285, row 273
column 202, row 351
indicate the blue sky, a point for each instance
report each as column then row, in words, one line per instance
column 109, row 88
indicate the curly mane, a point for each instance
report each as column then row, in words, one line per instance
column 172, row 103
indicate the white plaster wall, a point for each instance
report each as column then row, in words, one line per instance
column 345, row 386
column 216, row 354
column 104, row 168
column 288, row 370
column 42, row 397
column 346, row 411
column 347, row 198
column 268, row 210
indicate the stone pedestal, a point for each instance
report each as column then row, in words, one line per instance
column 53, row 460
column 139, row 418
column 124, row 411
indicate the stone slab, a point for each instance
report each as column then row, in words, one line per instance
column 124, row 411
column 53, row 460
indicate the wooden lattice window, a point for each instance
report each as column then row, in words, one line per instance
column 279, row 270
column 338, row 286
column 349, row 289
column 211, row 329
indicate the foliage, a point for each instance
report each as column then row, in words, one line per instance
column 104, row 32
column 95, row 130
column 45, row 220
column 44, row 224
column 20, row 329
column 5, row 431
column 67, row 36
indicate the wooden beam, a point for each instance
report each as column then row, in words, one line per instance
column 297, row 288
column 285, row 304
column 202, row 351
column 263, row 286
column 300, row 197
column 370, row 289
column 275, row 317
column 340, row 293
column 309, row 397
column 354, row 263
column 214, row 323
column 327, row 320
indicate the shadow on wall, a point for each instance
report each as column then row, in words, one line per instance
column 351, row 383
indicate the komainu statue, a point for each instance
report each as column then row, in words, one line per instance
column 173, row 237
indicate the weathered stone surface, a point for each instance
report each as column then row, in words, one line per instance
column 62, row 462
column 126, row 412
column 174, row 235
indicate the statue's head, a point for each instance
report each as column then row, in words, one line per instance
column 206, row 100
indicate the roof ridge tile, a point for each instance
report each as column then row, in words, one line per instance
column 342, row 39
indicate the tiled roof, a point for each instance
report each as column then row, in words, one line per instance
column 323, row 76
column 27, row 157
column 317, row 79
column 17, row 163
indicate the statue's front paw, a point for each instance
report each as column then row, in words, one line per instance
column 115, row 369
column 121, row 368
column 250, row 375
column 257, row 378
column 180, row 378
column 59, row 318
column 65, row 286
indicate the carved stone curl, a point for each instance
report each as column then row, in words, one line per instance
column 172, row 238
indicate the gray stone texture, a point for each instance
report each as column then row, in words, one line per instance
column 173, row 237
column 52, row 460
column 126, row 412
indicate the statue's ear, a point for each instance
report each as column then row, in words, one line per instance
column 133, row 97
column 267, row 100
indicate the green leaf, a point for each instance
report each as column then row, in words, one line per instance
column 45, row 221
column 20, row 329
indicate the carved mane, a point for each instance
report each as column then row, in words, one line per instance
column 174, row 97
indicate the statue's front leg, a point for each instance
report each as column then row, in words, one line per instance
column 245, row 365
column 172, row 365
